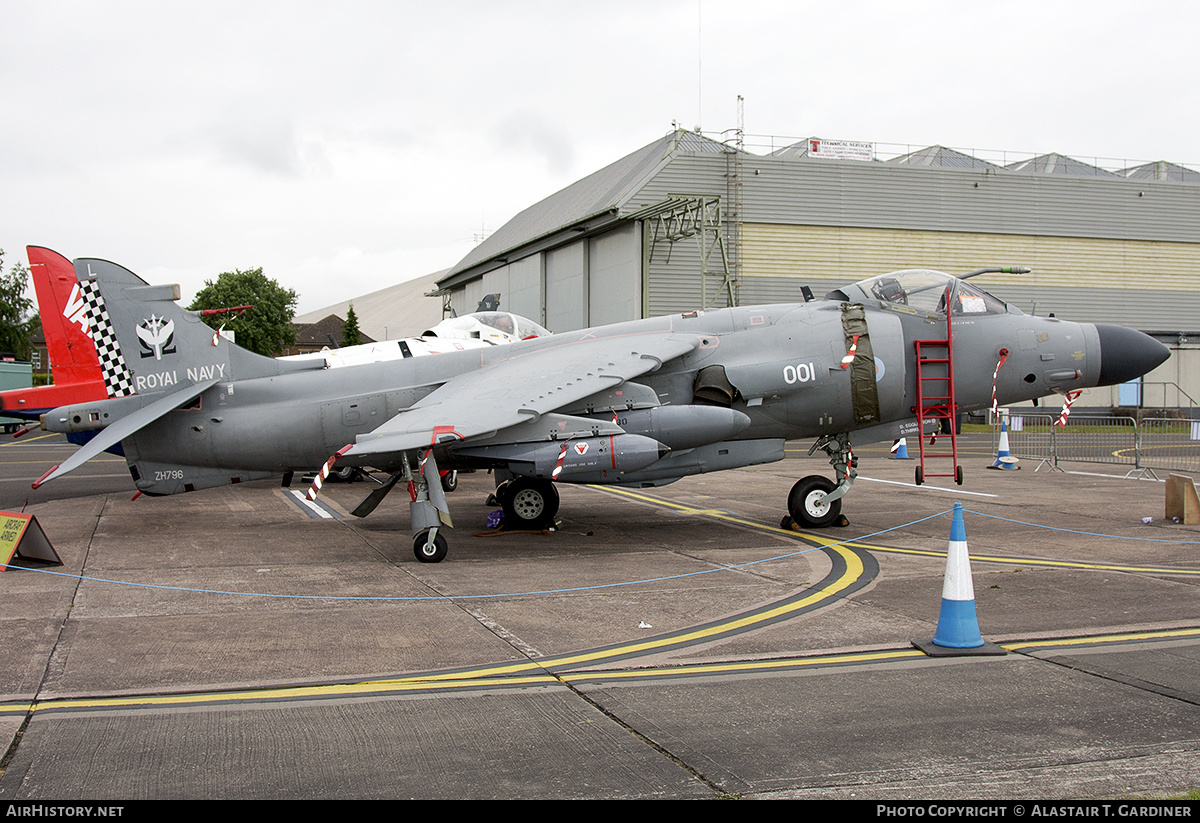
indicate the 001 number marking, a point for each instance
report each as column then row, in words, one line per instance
column 799, row 373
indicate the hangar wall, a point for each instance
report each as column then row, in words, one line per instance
column 1134, row 282
column 1103, row 248
column 587, row 282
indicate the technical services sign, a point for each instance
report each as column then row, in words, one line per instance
column 840, row 149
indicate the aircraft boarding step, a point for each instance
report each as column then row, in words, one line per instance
column 935, row 401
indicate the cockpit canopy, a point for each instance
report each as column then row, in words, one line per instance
column 489, row 326
column 924, row 290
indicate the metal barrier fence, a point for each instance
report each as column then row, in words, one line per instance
column 1173, row 445
column 1141, row 446
column 1030, row 437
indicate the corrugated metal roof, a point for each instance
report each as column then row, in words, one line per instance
column 922, row 190
column 798, row 149
column 942, row 156
column 602, row 191
column 1058, row 164
column 1162, row 170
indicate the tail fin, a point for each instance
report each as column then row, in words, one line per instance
column 72, row 354
column 155, row 358
column 148, row 345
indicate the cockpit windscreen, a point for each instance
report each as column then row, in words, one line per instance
column 514, row 324
column 926, row 290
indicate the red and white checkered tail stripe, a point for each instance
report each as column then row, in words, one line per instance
column 117, row 377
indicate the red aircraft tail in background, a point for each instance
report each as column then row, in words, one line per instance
column 73, row 359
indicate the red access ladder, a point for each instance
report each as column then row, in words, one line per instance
column 935, row 401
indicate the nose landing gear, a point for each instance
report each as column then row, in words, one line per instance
column 816, row 501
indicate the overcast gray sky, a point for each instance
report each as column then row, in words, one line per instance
column 348, row 146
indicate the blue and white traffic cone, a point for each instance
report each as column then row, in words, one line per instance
column 1004, row 460
column 958, row 627
column 899, row 450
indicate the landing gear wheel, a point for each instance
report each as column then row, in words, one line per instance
column 450, row 481
column 807, row 506
column 427, row 552
column 344, row 474
column 528, row 504
column 496, row 498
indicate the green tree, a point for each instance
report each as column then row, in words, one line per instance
column 16, row 322
column 351, row 335
column 265, row 328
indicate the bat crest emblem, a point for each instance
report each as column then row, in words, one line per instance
column 157, row 337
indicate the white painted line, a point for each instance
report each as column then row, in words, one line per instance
column 1117, row 476
column 309, row 505
column 928, row 488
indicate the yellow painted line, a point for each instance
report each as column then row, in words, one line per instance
column 1165, row 634
column 1029, row 561
column 504, row 674
column 747, row 666
column 718, row 514
column 25, row 440
column 500, row 674
column 826, row 542
column 475, row 681
column 51, row 462
column 854, row 570
column 286, row 693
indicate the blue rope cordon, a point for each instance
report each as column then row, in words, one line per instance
column 477, row 596
column 600, row 586
column 1087, row 534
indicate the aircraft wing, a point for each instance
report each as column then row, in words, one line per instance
column 520, row 388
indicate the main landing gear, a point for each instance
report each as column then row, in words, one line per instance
column 815, row 501
column 528, row 503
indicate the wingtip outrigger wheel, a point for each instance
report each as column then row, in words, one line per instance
column 428, row 509
column 430, row 547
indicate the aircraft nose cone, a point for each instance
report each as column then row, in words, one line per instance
column 1126, row 354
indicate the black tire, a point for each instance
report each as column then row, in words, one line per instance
column 496, row 498
column 450, row 481
column 528, row 503
column 958, row 475
column 430, row 554
column 344, row 474
column 920, row 476
column 804, row 509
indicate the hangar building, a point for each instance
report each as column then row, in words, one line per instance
column 690, row 222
